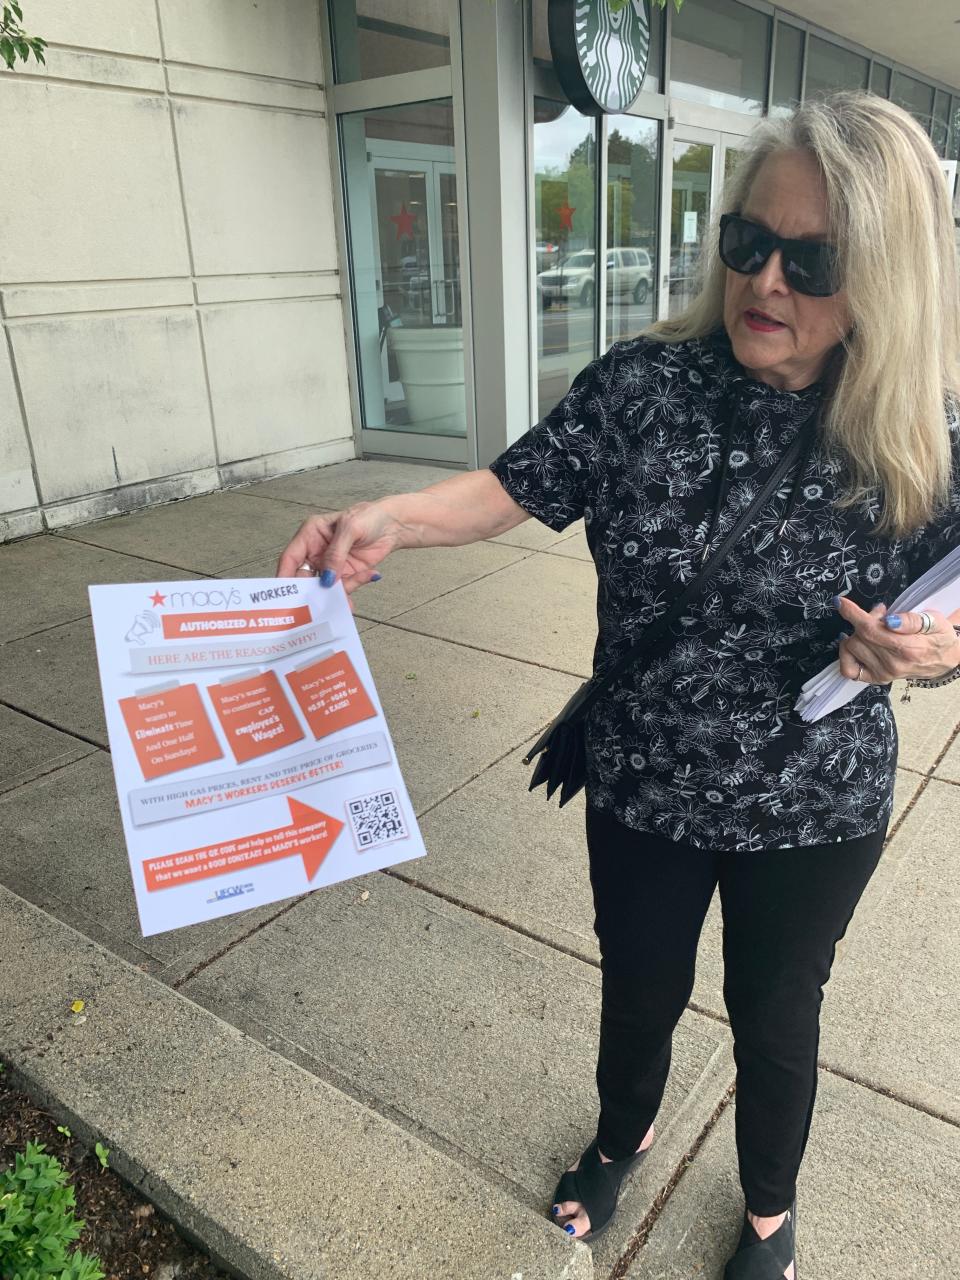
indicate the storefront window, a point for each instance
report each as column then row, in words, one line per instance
column 830, row 67
column 913, row 95
column 953, row 144
column 565, row 182
column 374, row 38
column 633, row 166
column 880, row 79
column 402, row 217
column 941, row 122
column 652, row 80
column 787, row 69
column 719, row 55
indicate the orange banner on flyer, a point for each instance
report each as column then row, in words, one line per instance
column 191, row 626
column 255, row 715
column 170, row 730
column 311, row 834
column 330, row 695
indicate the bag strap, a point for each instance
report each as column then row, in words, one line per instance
column 652, row 634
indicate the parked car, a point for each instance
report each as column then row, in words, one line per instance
column 629, row 274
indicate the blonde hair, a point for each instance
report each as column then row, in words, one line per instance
column 890, row 217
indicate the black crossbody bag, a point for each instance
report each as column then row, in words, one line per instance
column 562, row 748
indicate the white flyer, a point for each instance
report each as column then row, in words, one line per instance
column 250, row 751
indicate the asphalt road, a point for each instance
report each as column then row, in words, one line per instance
column 567, row 326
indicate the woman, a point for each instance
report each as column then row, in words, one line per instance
column 829, row 312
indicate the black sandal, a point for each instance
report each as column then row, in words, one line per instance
column 757, row 1259
column 596, row 1185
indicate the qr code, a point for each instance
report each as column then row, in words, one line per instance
column 376, row 819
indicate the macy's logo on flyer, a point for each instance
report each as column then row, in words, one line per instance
column 200, row 599
column 146, row 622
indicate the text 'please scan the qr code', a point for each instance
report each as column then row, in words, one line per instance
column 376, row 819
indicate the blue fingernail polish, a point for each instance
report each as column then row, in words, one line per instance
column 836, row 602
column 376, row 577
column 327, row 578
column 570, row 1229
column 555, row 1209
column 893, row 620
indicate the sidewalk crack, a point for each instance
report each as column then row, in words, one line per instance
column 51, row 724
column 459, row 586
column 207, row 961
column 510, row 925
column 130, row 555
column 29, row 635
column 893, row 1094
column 663, row 1196
column 476, row 648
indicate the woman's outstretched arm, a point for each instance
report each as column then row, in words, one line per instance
column 348, row 545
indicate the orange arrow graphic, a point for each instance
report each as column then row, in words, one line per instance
column 311, row 834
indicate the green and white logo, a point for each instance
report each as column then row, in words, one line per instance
column 600, row 54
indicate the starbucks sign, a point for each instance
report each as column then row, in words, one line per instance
column 600, row 56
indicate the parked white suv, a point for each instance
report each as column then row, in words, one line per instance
column 629, row 272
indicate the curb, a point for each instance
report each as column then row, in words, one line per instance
column 276, row 1174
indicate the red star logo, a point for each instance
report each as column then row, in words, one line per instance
column 157, row 599
column 404, row 221
column 566, row 215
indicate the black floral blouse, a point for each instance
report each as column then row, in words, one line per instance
column 659, row 448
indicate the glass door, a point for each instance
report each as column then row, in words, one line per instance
column 404, row 239
column 415, row 210
column 691, row 195
column 701, row 163
column 418, row 266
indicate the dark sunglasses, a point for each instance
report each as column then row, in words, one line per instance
column 809, row 266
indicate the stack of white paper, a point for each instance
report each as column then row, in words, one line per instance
column 938, row 588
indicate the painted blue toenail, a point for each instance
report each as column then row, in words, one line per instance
column 570, row 1229
column 555, row 1209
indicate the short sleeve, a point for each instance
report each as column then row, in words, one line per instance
column 924, row 548
column 547, row 470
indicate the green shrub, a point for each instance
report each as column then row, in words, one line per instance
column 37, row 1222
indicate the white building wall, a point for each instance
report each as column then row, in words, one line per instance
column 169, row 283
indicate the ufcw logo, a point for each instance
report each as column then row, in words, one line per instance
column 205, row 599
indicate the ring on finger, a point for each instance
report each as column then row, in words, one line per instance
column 308, row 567
column 860, row 671
column 926, row 624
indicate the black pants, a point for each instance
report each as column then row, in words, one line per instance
column 784, row 911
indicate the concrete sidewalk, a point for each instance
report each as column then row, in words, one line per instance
column 335, row 1086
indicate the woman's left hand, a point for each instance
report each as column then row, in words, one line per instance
column 879, row 652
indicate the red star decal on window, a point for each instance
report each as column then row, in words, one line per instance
column 157, row 599
column 566, row 215
column 404, row 220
